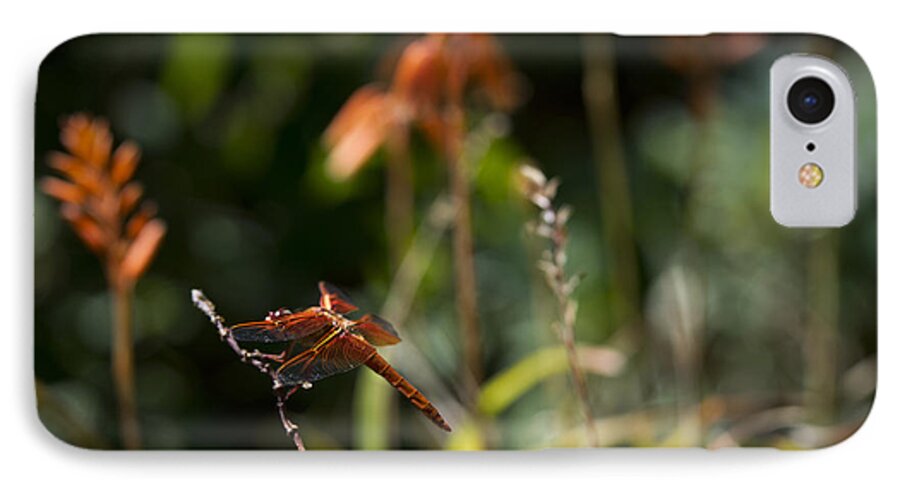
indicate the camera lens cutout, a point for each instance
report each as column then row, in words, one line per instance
column 810, row 100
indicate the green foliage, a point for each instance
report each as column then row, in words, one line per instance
column 197, row 71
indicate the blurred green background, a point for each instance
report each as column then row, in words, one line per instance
column 717, row 326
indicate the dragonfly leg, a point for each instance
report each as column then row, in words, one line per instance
column 257, row 354
column 285, row 392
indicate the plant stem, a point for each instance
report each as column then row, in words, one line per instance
column 123, row 365
column 551, row 225
column 580, row 388
column 398, row 196
column 600, row 92
column 566, row 332
column 821, row 338
column 463, row 256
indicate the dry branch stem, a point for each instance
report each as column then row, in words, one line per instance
column 552, row 226
column 259, row 360
column 566, row 329
column 123, row 366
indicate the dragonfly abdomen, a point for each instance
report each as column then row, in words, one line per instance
column 380, row 365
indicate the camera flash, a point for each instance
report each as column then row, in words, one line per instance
column 811, row 175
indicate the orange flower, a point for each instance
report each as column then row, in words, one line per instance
column 98, row 199
column 430, row 81
column 358, row 130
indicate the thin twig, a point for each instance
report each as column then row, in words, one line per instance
column 260, row 360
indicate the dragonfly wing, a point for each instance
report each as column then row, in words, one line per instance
column 262, row 331
column 306, row 326
column 334, row 299
column 339, row 354
column 376, row 330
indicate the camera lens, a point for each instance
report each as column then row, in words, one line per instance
column 810, row 100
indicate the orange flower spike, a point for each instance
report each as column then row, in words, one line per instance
column 477, row 63
column 88, row 230
column 140, row 218
column 419, row 76
column 124, row 162
column 101, row 145
column 87, row 139
column 129, row 197
column 97, row 198
column 96, row 201
column 493, row 72
column 62, row 190
column 66, row 164
column 357, row 131
column 431, row 76
column 75, row 135
column 350, row 112
column 79, row 173
column 457, row 55
column 142, row 250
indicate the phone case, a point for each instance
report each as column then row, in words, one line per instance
column 438, row 241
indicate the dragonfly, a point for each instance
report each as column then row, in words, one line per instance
column 324, row 341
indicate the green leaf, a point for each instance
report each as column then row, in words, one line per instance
column 505, row 388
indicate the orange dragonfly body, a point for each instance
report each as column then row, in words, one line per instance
column 323, row 342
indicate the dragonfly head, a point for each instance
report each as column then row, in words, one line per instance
column 274, row 315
